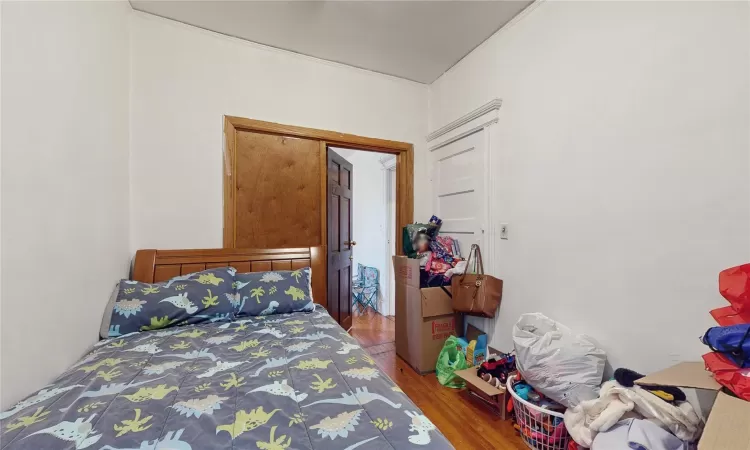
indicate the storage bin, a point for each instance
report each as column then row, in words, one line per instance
column 540, row 428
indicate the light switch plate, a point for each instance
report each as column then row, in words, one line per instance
column 504, row 231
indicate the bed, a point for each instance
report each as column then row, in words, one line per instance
column 284, row 381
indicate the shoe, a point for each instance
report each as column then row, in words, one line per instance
column 493, row 381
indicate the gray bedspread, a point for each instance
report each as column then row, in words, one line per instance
column 294, row 381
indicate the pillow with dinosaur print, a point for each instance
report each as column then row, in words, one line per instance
column 206, row 296
column 277, row 292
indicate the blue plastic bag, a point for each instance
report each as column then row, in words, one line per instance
column 732, row 342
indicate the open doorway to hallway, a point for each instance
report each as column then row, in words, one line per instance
column 373, row 238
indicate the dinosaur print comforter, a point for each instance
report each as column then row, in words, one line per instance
column 293, row 381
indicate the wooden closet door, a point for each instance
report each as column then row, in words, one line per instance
column 277, row 191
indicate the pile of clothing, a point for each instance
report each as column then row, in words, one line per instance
column 630, row 416
column 439, row 256
column 627, row 415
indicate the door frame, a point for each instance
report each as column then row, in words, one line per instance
column 389, row 175
column 404, row 169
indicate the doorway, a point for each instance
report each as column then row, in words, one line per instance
column 276, row 194
column 362, row 216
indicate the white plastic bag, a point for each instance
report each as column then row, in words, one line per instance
column 565, row 367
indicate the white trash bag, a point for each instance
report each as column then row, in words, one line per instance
column 566, row 367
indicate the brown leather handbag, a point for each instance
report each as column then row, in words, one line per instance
column 476, row 294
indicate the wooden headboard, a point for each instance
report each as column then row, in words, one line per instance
column 152, row 266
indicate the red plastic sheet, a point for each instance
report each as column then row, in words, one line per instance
column 729, row 375
column 734, row 285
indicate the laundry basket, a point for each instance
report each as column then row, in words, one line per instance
column 540, row 429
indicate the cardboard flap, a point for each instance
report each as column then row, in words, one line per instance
column 470, row 376
column 727, row 425
column 684, row 374
column 414, row 340
column 435, row 302
column 473, row 333
column 406, row 271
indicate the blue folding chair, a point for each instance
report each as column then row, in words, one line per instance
column 357, row 284
column 365, row 288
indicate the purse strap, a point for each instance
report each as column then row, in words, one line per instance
column 478, row 257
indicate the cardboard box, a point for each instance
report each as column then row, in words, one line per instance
column 479, row 353
column 494, row 398
column 727, row 417
column 424, row 317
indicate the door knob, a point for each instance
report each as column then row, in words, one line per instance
column 351, row 258
column 350, row 243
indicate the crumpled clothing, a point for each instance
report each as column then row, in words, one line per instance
column 590, row 417
column 437, row 266
column 638, row 434
column 458, row 270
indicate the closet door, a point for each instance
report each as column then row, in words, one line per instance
column 277, row 191
column 458, row 180
column 466, row 176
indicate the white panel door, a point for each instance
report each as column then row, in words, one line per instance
column 460, row 197
column 465, row 186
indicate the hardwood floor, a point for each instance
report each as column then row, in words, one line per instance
column 372, row 329
column 460, row 417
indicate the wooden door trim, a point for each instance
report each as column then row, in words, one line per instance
column 324, row 194
column 331, row 137
column 229, row 172
column 404, row 169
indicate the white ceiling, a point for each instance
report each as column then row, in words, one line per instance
column 416, row 40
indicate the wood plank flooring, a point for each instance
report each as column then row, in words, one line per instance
column 460, row 417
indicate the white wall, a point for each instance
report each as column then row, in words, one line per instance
column 622, row 166
column 64, row 182
column 369, row 216
column 185, row 79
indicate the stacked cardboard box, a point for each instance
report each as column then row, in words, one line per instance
column 424, row 317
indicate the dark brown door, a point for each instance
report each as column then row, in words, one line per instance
column 340, row 239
